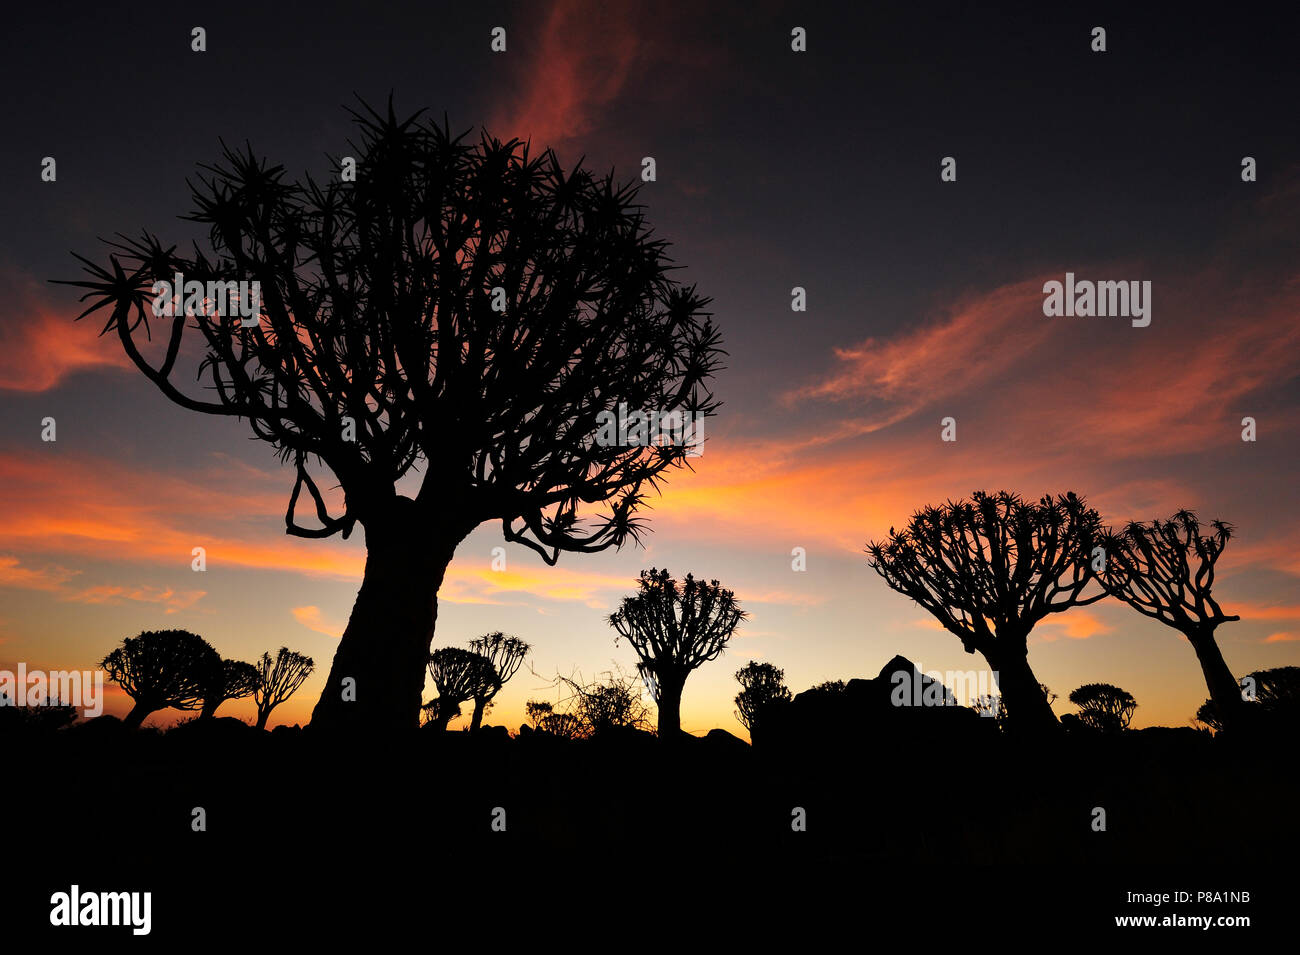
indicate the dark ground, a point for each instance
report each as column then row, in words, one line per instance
column 315, row 835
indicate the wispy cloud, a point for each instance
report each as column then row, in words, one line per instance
column 171, row 600
column 978, row 339
column 469, row 584
column 312, row 618
column 1077, row 624
column 40, row 344
column 13, row 573
column 567, row 71
column 153, row 516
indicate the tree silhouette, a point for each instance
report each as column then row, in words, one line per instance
column 505, row 655
column 1104, row 708
column 1274, row 692
column 278, row 679
column 161, row 668
column 675, row 628
column 992, row 706
column 543, row 718
column 991, row 568
column 1207, row 714
column 469, row 311
column 537, row 710
column 37, row 718
column 1165, row 570
column 224, row 680
column 603, row 705
column 1277, row 688
column 762, row 685
column 563, row 725
column 829, row 689
column 460, row 676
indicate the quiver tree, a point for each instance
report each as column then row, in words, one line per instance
column 459, row 676
column 1276, row 689
column 1165, row 570
column 1104, row 708
column 161, row 668
column 991, row 568
column 278, row 679
column 505, row 655
column 762, row 686
column 1207, row 714
column 466, row 310
column 225, row 680
column 675, row 628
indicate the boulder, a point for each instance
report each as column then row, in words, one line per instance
column 899, row 705
column 720, row 737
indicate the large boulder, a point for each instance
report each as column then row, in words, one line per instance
column 721, row 738
column 900, row 705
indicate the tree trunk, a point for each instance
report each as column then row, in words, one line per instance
column 1028, row 711
column 480, row 704
column 670, row 706
column 137, row 715
column 209, row 709
column 1225, row 692
column 385, row 648
column 443, row 715
column 262, row 716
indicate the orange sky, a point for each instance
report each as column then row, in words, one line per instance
column 822, row 452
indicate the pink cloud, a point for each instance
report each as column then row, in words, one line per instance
column 312, row 618
column 40, row 344
column 172, row 600
column 567, row 71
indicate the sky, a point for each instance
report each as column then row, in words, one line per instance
column 776, row 169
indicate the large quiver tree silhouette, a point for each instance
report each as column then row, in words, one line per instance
column 505, row 655
column 675, row 628
column 991, row 568
column 224, row 680
column 466, row 310
column 459, row 676
column 762, row 686
column 161, row 669
column 1165, row 570
column 278, row 678
column 1104, row 707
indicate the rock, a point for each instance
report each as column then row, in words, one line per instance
column 720, row 737
column 899, row 705
column 494, row 734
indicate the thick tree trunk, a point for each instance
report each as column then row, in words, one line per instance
column 1028, row 712
column 137, row 715
column 480, row 704
column 262, row 716
column 209, row 709
column 1225, row 692
column 385, row 648
column 670, row 706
